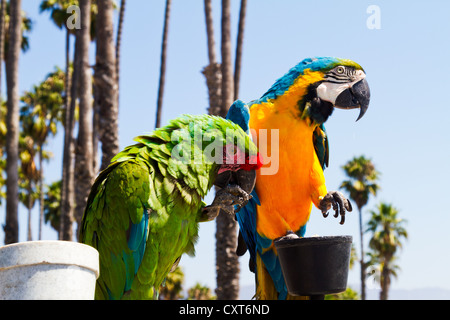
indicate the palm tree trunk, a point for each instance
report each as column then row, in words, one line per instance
column 11, row 227
column 227, row 69
column 210, row 32
column 362, row 263
column 84, row 148
column 95, row 127
column 162, row 73
column 384, row 284
column 212, row 72
column 29, row 207
column 119, row 44
column 67, row 185
column 213, row 75
column 385, row 280
column 2, row 40
column 106, row 83
column 239, row 47
column 227, row 263
column 41, row 193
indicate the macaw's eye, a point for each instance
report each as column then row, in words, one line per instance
column 340, row 70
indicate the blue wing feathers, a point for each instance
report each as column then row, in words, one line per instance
column 137, row 241
column 246, row 218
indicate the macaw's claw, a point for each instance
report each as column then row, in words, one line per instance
column 240, row 197
column 339, row 203
column 226, row 199
column 209, row 213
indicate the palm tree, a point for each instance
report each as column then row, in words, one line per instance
column 119, row 44
column 375, row 267
column 239, row 48
column 84, row 149
column 348, row 294
column 220, row 99
column 162, row 72
column 2, row 39
column 362, row 182
column 16, row 25
column 387, row 233
column 2, row 145
column 172, row 287
column 44, row 108
column 105, row 82
column 12, row 122
column 226, row 67
column 227, row 263
column 68, row 167
column 26, row 28
column 212, row 71
column 28, row 173
column 59, row 15
column 199, row 292
column 52, row 205
column 2, row 179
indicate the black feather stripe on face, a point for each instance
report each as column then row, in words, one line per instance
column 319, row 110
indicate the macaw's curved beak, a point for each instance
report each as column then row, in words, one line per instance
column 357, row 96
column 245, row 179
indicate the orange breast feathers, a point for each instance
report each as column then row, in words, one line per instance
column 287, row 195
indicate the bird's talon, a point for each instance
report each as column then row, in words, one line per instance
column 338, row 202
column 229, row 197
column 290, row 235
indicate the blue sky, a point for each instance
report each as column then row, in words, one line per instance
column 404, row 130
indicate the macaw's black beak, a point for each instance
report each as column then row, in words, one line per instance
column 246, row 180
column 358, row 96
column 243, row 178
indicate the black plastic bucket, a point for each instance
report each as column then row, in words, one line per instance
column 316, row 265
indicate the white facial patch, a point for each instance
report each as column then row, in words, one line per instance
column 329, row 91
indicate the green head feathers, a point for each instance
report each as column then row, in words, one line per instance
column 196, row 143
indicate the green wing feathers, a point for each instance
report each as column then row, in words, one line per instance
column 137, row 183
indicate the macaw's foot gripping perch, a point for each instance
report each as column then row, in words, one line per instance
column 226, row 199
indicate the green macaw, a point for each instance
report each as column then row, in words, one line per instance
column 143, row 210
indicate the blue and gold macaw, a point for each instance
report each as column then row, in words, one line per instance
column 296, row 107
